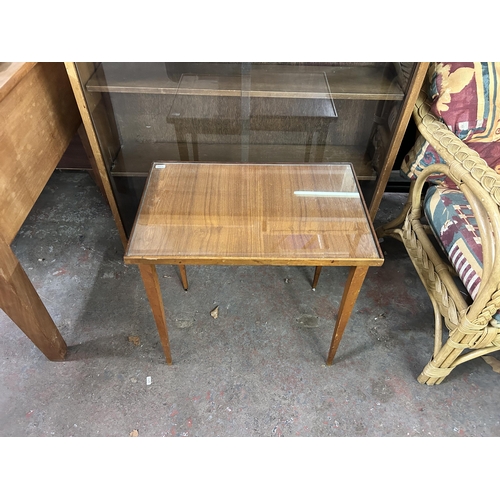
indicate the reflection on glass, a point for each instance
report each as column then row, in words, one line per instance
column 261, row 106
column 246, row 112
column 328, row 194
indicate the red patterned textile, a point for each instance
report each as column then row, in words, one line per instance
column 466, row 96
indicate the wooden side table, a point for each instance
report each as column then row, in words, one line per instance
column 239, row 111
column 253, row 214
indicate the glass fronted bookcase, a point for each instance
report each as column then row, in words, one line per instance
column 138, row 113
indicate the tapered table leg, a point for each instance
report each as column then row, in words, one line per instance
column 317, row 272
column 184, row 279
column 180, row 135
column 351, row 291
column 321, row 143
column 153, row 291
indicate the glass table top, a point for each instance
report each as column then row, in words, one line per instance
column 278, row 214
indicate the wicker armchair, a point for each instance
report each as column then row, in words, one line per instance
column 464, row 293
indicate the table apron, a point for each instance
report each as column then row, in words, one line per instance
column 214, row 261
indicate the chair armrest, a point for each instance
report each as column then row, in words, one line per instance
column 460, row 159
column 481, row 186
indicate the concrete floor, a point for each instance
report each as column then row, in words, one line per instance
column 256, row 370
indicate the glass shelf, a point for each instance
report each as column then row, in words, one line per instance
column 369, row 82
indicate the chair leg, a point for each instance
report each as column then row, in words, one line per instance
column 388, row 228
column 447, row 357
column 426, row 377
column 438, row 327
column 441, row 365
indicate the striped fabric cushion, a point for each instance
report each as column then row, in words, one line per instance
column 454, row 225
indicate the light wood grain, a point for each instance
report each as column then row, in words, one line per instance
column 11, row 73
column 153, row 291
column 253, row 215
column 351, row 292
column 20, row 301
column 38, row 119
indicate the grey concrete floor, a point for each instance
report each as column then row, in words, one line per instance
column 256, row 370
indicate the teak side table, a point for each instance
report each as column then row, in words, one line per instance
column 253, row 215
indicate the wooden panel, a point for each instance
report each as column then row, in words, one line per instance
column 38, row 119
column 21, row 303
column 253, row 215
column 11, row 73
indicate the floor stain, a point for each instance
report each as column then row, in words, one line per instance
column 184, row 322
column 308, row 321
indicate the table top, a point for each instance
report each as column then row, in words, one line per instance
column 253, row 214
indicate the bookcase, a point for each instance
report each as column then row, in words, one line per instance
column 225, row 112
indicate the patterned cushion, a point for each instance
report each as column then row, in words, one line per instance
column 454, row 225
column 421, row 156
column 466, row 97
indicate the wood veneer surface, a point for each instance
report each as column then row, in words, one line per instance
column 288, row 214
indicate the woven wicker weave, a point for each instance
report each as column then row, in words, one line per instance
column 470, row 333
